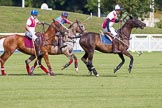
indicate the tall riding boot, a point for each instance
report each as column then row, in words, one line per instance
column 115, row 46
column 61, row 44
column 37, row 44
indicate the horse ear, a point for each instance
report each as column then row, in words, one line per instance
column 130, row 17
column 53, row 20
column 76, row 20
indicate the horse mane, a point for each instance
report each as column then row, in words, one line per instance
column 71, row 25
column 120, row 31
column 92, row 33
column 126, row 23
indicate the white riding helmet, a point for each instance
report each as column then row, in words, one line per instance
column 117, row 7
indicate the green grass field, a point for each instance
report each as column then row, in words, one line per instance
column 13, row 20
column 68, row 89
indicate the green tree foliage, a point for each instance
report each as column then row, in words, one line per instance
column 4, row 3
column 107, row 6
column 92, row 5
column 158, row 4
column 137, row 8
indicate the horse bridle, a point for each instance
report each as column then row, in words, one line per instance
column 82, row 31
column 77, row 22
column 58, row 30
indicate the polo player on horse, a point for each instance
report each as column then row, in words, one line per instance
column 31, row 23
column 108, row 27
column 62, row 20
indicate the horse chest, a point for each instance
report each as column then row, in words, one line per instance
column 54, row 50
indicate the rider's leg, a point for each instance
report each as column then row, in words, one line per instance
column 115, row 41
column 37, row 44
column 115, row 44
column 61, row 44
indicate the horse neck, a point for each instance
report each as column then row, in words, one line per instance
column 49, row 35
column 72, row 32
column 126, row 30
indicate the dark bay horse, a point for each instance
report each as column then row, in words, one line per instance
column 13, row 42
column 73, row 29
column 91, row 41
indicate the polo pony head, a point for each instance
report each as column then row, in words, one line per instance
column 135, row 23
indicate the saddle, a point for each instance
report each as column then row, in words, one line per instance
column 106, row 38
column 28, row 41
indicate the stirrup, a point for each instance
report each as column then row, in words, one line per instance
column 63, row 46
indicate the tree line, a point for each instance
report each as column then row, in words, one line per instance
column 137, row 8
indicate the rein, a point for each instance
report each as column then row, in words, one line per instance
column 78, row 25
column 82, row 31
column 52, row 27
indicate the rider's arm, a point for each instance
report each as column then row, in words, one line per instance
column 40, row 22
column 68, row 21
column 27, row 28
column 27, row 25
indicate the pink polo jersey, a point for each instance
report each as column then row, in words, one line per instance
column 31, row 22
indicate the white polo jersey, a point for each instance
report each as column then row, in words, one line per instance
column 31, row 22
column 112, row 16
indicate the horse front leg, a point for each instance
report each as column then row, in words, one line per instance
column 131, row 60
column 84, row 58
column 89, row 64
column 38, row 62
column 50, row 71
column 75, row 63
column 27, row 62
column 67, row 64
column 121, row 63
column 70, row 56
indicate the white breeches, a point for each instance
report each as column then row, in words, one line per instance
column 34, row 37
column 112, row 30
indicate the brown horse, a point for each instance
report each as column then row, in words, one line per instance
column 13, row 42
column 73, row 29
column 91, row 41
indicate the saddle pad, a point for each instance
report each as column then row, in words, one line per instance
column 28, row 42
column 105, row 39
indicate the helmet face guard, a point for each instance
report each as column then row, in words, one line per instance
column 34, row 12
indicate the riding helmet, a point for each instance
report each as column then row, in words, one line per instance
column 117, row 7
column 65, row 14
column 34, row 12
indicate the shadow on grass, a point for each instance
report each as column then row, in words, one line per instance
column 86, row 75
column 26, row 75
column 62, row 74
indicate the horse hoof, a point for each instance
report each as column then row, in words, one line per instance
column 115, row 70
column 4, row 74
column 62, row 68
column 76, row 69
column 90, row 73
column 129, row 70
column 97, row 75
column 31, row 74
column 51, row 73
